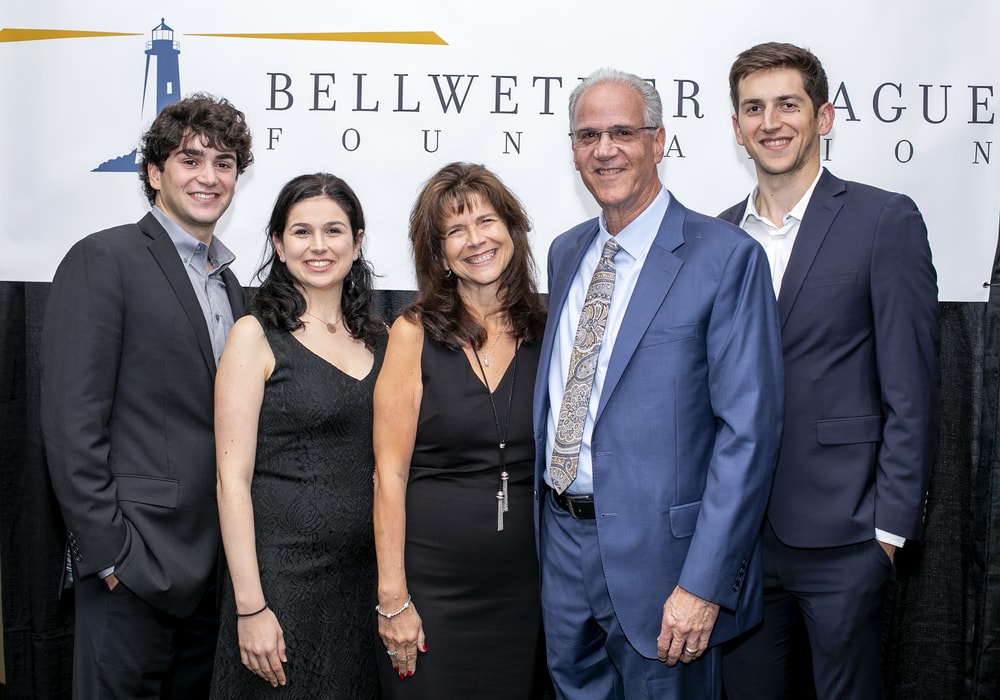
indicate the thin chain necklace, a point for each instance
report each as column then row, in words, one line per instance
column 331, row 327
column 502, row 503
column 493, row 345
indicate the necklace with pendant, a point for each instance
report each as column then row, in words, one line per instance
column 331, row 327
column 502, row 502
column 493, row 345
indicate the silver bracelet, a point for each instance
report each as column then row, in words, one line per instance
column 389, row 616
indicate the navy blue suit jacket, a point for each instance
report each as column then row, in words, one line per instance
column 859, row 334
column 688, row 422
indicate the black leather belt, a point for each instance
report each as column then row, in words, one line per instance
column 580, row 507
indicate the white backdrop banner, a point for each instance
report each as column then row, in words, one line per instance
column 382, row 93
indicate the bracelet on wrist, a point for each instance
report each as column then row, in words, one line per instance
column 255, row 612
column 389, row 616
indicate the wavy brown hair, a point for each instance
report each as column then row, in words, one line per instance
column 438, row 306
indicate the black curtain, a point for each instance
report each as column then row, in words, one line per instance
column 927, row 646
column 38, row 622
column 943, row 639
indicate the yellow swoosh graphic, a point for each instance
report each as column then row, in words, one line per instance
column 429, row 38
column 11, row 34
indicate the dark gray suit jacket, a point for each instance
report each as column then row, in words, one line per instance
column 127, row 414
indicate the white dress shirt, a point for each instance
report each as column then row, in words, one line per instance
column 776, row 240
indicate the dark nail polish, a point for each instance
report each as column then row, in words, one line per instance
column 402, row 676
column 409, row 673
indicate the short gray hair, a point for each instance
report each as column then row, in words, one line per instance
column 653, row 113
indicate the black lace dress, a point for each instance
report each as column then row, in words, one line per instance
column 476, row 589
column 312, row 505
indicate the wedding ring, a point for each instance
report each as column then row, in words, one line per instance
column 691, row 651
column 390, row 653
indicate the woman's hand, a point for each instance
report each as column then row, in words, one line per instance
column 262, row 646
column 403, row 636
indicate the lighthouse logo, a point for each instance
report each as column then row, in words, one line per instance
column 162, row 76
column 163, row 68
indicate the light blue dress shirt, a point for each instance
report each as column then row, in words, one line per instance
column 635, row 240
column 207, row 283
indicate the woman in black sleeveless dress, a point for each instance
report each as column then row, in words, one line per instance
column 458, row 577
column 293, row 432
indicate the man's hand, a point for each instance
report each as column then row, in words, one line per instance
column 890, row 550
column 687, row 624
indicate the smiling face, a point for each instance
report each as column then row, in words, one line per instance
column 621, row 176
column 317, row 244
column 195, row 186
column 779, row 126
column 477, row 244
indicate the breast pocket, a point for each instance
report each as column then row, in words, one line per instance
column 669, row 334
column 834, row 280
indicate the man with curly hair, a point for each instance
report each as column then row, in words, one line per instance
column 136, row 321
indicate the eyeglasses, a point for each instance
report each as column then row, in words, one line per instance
column 619, row 134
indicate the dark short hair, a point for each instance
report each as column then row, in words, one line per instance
column 438, row 306
column 278, row 303
column 216, row 121
column 778, row 55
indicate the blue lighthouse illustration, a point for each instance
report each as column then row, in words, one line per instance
column 162, row 53
column 162, row 74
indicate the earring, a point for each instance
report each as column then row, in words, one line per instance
column 447, row 273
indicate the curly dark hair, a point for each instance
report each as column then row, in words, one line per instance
column 438, row 306
column 216, row 121
column 778, row 55
column 278, row 303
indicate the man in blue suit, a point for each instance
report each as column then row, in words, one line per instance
column 648, row 528
column 857, row 299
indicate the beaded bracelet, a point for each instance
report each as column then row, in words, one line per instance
column 389, row 616
column 256, row 612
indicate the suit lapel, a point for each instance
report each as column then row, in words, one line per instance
column 655, row 280
column 235, row 293
column 165, row 254
column 822, row 210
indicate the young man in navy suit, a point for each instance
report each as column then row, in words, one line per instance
column 857, row 302
column 649, row 547
column 136, row 321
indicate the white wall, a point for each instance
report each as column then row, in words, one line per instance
column 70, row 104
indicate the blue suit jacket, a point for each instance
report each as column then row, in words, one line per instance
column 858, row 310
column 688, row 422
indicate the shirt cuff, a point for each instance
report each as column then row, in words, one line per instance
column 889, row 538
column 106, row 572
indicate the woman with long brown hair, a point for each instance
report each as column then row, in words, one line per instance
column 457, row 571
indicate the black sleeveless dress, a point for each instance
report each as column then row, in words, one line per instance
column 476, row 589
column 312, row 505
